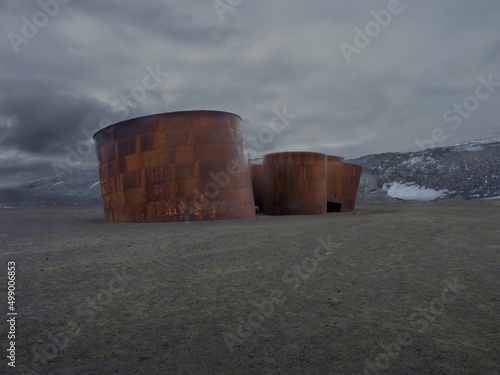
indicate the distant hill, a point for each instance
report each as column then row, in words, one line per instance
column 70, row 188
column 469, row 170
column 71, row 183
column 466, row 171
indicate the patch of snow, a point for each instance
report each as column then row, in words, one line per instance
column 492, row 197
column 474, row 145
column 413, row 192
column 474, row 148
column 413, row 161
column 57, row 183
column 486, row 141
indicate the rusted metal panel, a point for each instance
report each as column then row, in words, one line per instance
column 297, row 183
column 295, row 159
column 179, row 166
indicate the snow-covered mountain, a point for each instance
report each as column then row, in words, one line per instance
column 469, row 170
column 70, row 183
column 75, row 187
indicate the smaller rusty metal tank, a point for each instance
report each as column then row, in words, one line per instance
column 297, row 183
column 342, row 185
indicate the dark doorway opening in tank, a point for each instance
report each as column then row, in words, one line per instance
column 333, row 207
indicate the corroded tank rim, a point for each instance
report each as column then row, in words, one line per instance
column 335, row 159
column 166, row 113
column 295, row 152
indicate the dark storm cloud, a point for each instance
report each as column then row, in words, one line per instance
column 160, row 20
column 41, row 117
column 83, row 65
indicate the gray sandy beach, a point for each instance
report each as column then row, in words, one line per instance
column 404, row 288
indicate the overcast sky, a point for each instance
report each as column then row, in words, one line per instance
column 413, row 73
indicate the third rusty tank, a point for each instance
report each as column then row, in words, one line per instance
column 343, row 184
column 302, row 183
column 296, row 183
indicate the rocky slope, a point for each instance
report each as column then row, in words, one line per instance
column 470, row 170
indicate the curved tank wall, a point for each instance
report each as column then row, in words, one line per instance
column 297, row 183
column 342, row 185
column 180, row 166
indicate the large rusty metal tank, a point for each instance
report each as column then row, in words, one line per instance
column 297, row 183
column 180, row 166
column 342, row 185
